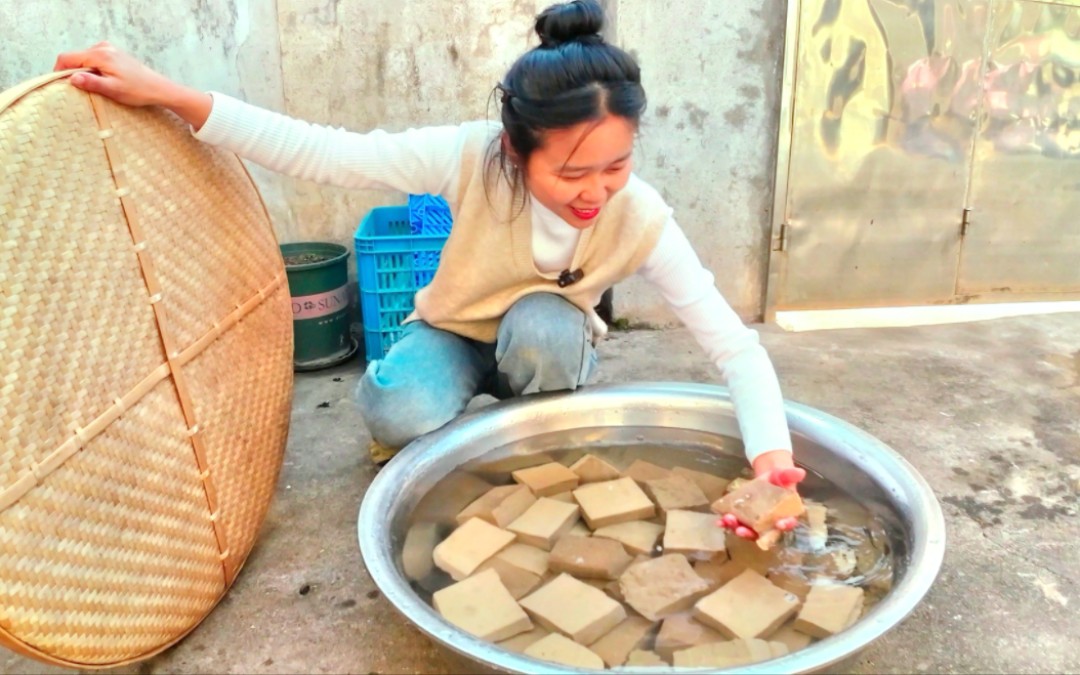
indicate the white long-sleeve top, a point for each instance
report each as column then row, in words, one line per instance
column 427, row 160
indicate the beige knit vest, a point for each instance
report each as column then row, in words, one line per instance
column 487, row 262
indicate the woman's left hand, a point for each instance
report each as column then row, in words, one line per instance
column 778, row 467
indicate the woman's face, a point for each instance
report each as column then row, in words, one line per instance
column 577, row 170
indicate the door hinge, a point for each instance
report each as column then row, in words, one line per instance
column 780, row 241
column 965, row 222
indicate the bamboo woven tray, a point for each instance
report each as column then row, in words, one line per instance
column 145, row 375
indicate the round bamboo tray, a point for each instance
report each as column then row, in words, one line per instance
column 145, row 375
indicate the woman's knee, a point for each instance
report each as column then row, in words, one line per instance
column 397, row 413
column 545, row 344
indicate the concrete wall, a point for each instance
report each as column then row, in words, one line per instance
column 712, row 73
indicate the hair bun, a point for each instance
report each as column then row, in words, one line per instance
column 577, row 21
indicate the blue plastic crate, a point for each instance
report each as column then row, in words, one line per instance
column 429, row 214
column 392, row 264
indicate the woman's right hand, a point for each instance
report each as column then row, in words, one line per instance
column 124, row 79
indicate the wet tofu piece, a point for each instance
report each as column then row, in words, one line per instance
column 528, row 558
column 615, row 646
column 712, row 486
column 695, row 535
column 718, row 573
column 559, row 649
column 748, row 606
column 829, row 610
column 662, row 586
column 642, row 471
column 675, row 492
column 613, row 502
column 499, row 506
column 592, row 469
column 483, row 607
column 790, row 638
column 518, row 581
column 640, row 657
column 589, row 558
column 547, row 479
column 544, row 522
column 759, row 503
column 574, row 609
column 639, row 537
column 682, row 631
column 728, row 654
column 520, row 642
column 467, row 547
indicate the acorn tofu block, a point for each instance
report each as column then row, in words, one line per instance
column 718, row 573
column 589, row 558
column 758, row 503
column 713, row 486
column 729, row 654
column 528, row 558
column 574, row 609
column 662, row 586
column 681, row 631
column 638, row 536
column 748, row 606
column 482, row 606
column 615, row 647
column 519, row 643
column 544, row 522
column 559, row 649
column 518, row 581
column 640, row 658
column 612, row 502
column 694, row 534
column 547, row 479
column 467, row 547
column 499, row 506
column 592, row 469
column 642, row 471
column 829, row 610
column 675, row 492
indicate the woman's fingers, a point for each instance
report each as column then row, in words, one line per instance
column 787, row 478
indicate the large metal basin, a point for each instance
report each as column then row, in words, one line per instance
column 644, row 416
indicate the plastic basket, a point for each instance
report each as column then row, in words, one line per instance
column 393, row 263
column 429, row 214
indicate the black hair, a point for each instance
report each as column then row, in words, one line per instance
column 573, row 76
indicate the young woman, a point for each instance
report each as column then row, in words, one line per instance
column 547, row 216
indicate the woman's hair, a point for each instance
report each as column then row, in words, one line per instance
column 573, row 76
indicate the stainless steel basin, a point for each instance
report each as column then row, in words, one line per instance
column 641, row 419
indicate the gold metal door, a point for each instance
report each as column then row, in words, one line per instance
column 925, row 153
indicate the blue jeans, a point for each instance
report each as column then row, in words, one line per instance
column 428, row 377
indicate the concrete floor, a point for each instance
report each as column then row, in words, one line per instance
column 988, row 412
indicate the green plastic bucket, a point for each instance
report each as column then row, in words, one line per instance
column 318, row 275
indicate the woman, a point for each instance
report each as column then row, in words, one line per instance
column 547, row 216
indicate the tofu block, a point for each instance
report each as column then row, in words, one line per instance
column 735, row 484
column 829, row 610
column 790, row 638
column 675, row 492
column 758, row 503
column 547, row 479
column 718, row 573
column 712, row 486
column 589, row 558
column 642, row 471
column 640, row 658
column 836, row 563
column 518, row 581
column 592, row 469
column 695, row 535
column 615, row 647
column 792, row 581
column 748, row 606
column 483, row 607
column 578, row 530
column 613, row 502
column 559, row 649
column 528, row 558
column 567, row 497
column 520, row 642
column 574, row 608
column 500, row 506
column 467, row 547
column 637, row 536
column 418, row 549
column 544, row 522
column 681, row 631
column 728, row 654
column 662, row 586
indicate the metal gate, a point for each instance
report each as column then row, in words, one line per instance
column 928, row 154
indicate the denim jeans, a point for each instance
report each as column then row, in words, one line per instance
column 544, row 343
